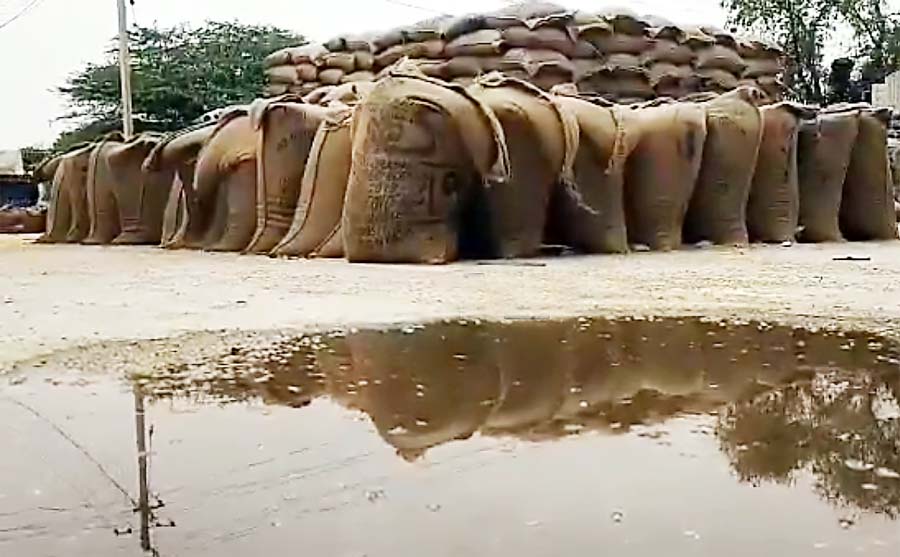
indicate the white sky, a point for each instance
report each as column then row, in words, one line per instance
column 38, row 51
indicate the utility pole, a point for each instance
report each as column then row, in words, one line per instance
column 125, row 72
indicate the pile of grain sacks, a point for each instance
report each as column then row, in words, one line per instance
column 614, row 53
column 413, row 168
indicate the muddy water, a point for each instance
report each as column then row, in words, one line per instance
column 663, row 437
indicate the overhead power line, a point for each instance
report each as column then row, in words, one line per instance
column 28, row 7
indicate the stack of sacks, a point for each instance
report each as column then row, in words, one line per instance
column 301, row 70
column 844, row 175
column 294, row 70
column 670, row 60
column 423, row 42
column 718, row 65
column 621, row 39
column 765, row 63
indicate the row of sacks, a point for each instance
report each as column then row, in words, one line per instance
column 415, row 169
column 615, row 53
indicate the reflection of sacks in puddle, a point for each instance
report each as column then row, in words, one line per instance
column 426, row 388
column 534, row 375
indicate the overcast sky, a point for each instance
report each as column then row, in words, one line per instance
column 57, row 37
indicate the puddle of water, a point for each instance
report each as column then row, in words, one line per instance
column 676, row 437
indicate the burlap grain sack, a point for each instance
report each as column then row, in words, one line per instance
column 664, row 74
column 320, row 200
column 662, row 171
column 140, row 194
column 720, row 57
column 542, row 137
column 618, row 43
column 594, row 220
column 773, row 210
column 350, row 43
column 68, row 219
column 344, row 61
column 433, row 68
column 419, row 145
column 285, row 130
column 624, row 20
column 668, row 51
column 331, row 76
column 867, row 205
column 543, row 37
column 225, row 183
column 529, row 10
column 319, row 94
column 286, row 75
column 364, row 60
column 348, row 93
column 717, row 80
column 430, row 49
column 178, row 152
column 718, row 207
column 471, row 66
column 358, row 76
column 486, row 42
column 824, row 150
column 617, row 86
column 101, row 197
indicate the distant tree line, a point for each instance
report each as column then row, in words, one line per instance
column 178, row 74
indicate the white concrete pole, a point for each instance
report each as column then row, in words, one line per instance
column 125, row 72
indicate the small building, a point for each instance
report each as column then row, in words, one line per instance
column 16, row 186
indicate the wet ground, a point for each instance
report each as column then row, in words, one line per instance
column 651, row 436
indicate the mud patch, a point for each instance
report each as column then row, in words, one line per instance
column 676, row 436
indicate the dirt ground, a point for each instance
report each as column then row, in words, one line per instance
column 54, row 298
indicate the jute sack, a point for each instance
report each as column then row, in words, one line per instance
column 419, row 148
column 668, row 51
column 101, row 197
column 773, row 210
column 662, row 171
column 286, row 75
column 867, row 205
column 542, row 138
column 486, row 42
column 718, row 207
column 140, row 194
column 823, row 154
column 285, row 131
column 429, row 49
column 68, row 219
column 624, row 20
column 541, row 35
column 182, row 226
column 716, row 80
column 349, row 93
column 615, row 86
column 594, row 220
column 320, row 201
column 720, row 57
column 225, row 183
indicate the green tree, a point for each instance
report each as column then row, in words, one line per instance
column 178, row 74
column 801, row 27
column 877, row 36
